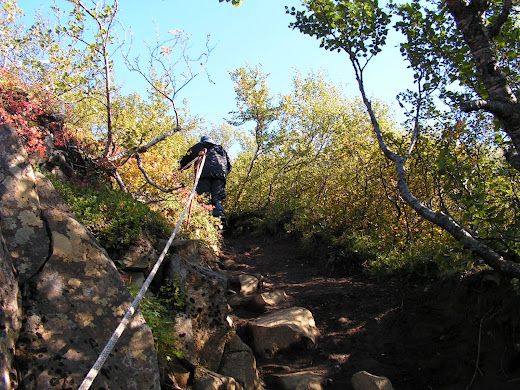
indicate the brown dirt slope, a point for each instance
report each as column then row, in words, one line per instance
column 419, row 335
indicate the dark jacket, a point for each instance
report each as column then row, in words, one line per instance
column 217, row 165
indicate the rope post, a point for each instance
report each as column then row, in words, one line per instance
column 92, row 374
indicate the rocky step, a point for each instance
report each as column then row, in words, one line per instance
column 284, row 329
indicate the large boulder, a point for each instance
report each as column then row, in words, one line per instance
column 10, row 319
column 22, row 227
column 72, row 295
column 71, row 308
column 306, row 380
column 239, row 362
column 363, row 380
column 206, row 306
column 282, row 329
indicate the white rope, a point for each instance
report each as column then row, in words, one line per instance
column 87, row 382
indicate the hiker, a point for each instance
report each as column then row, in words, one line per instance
column 212, row 182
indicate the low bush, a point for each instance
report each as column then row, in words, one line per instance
column 113, row 217
column 158, row 312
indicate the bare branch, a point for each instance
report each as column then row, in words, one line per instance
column 142, row 148
column 119, row 181
column 149, row 181
column 163, row 71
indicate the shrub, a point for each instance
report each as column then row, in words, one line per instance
column 113, row 217
column 158, row 312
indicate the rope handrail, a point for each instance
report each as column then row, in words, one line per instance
column 92, row 374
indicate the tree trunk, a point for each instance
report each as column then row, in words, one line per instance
column 501, row 101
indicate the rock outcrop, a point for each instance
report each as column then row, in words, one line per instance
column 206, row 306
column 213, row 356
column 10, row 319
column 72, row 295
column 23, row 228
column 62, row 297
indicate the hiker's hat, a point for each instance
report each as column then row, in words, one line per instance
column 206, row 138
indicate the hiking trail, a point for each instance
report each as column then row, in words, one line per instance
column 419, row 333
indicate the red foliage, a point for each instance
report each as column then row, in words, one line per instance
column 21, row 106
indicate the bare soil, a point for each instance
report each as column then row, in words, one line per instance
column 460, row 332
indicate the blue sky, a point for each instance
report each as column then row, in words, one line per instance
column 255, row 33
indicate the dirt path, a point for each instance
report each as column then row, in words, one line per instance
column 419, row 336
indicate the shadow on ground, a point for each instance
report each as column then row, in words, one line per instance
column 452, row 334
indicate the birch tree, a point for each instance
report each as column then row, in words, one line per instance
column 471, row 43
